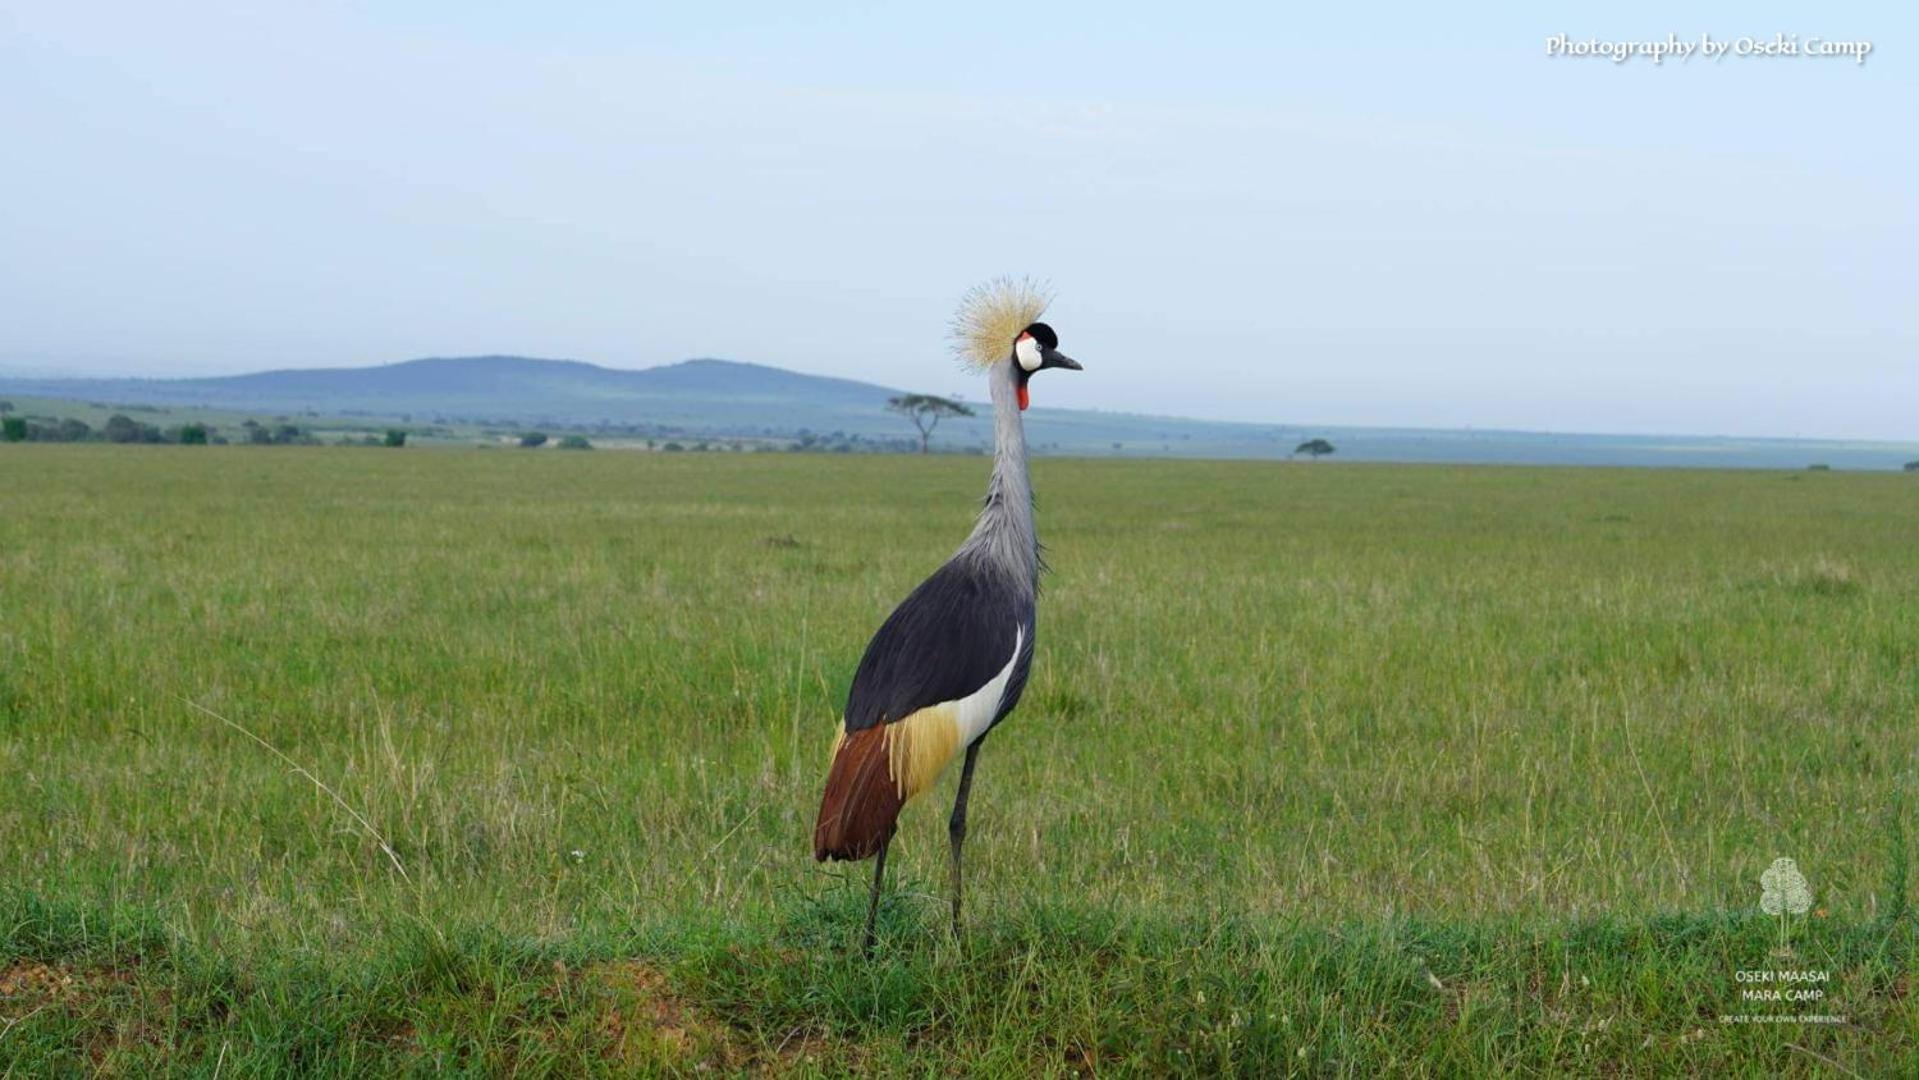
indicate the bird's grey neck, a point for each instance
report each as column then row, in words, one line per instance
column 1005, row 536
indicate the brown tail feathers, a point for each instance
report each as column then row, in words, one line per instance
column 862, row 802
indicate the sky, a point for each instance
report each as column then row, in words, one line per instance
column 1375, row 216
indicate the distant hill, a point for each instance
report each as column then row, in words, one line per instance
column 725, row 397
column 699, row 395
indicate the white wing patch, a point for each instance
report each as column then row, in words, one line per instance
column 975, row 711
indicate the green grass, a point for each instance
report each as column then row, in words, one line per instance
column 1323, row 769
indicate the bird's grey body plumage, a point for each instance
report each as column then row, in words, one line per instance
column 955, row 632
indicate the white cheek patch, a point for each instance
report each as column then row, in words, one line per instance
column 1027, row 352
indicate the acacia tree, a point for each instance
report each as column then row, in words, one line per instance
column 1313, row 448
column 926, row 411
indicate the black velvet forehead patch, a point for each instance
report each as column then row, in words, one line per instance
column 1043, row 334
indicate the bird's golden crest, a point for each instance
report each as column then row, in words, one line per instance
column 992, row 314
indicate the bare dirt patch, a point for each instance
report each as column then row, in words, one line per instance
column 648, row 1022
column 36, row 983
column 30, row 988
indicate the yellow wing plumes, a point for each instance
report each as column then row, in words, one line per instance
column 919, row 747
column 992, row 314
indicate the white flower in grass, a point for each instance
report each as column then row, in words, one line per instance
column 578, row 855
column 1785, row 888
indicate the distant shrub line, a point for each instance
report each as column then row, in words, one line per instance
column 121, row 428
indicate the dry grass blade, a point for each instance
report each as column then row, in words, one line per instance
column 302, row 770
column 1817, row 1056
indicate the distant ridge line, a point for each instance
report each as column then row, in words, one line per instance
column 719, row 398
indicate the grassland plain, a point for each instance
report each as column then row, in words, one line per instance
column 1325, row 769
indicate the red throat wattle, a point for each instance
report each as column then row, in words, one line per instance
column 1023, row 400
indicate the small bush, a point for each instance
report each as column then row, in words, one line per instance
column 533, row 439
column 574, row 442
column 66, row 429
column 1823, row 576
column 122, row 428
column 13, row 429
column 193, row 435
column 394, row 437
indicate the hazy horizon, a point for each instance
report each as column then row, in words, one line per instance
column 977, row 397
column 1414, row 221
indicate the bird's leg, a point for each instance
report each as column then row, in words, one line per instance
column 956, row 828
column 873, row 905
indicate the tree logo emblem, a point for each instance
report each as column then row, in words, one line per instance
column 1785, row 895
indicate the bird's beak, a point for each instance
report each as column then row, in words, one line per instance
column 1055, row 358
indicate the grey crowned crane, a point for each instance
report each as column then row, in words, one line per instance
column 950, row 662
